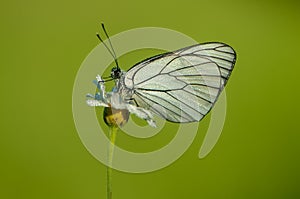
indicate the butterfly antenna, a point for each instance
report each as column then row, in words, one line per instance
column 112, row 52
column 106, row 46
column 115, row 56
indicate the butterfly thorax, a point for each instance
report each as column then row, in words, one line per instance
column 124, row 92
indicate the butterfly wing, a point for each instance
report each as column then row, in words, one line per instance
column 182, row 86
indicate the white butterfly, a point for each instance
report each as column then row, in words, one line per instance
column 179, row 86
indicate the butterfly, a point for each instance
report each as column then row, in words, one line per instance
column 180, row 86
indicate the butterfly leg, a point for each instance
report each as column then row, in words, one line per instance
column 142, row 113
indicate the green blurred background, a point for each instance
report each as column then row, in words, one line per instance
column 43, row 44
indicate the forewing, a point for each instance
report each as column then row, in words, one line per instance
column 182, row 86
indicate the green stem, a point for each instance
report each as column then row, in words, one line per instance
column 112, row 137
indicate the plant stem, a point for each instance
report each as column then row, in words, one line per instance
column 112, row 137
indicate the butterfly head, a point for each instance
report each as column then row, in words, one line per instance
column 115, row 73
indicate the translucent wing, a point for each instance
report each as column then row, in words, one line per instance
column 182, row 86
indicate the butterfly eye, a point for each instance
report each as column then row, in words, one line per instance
column 115, row 73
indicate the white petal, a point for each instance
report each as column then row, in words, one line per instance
column 95, row 103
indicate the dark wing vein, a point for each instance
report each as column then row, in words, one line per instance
column 184, row 103
column 147, row 104
column 176, row 108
